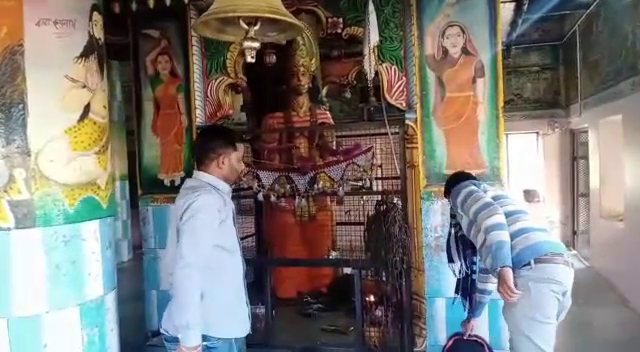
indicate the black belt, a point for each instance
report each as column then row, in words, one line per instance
column 558, row 259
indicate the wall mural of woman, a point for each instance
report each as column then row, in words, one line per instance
column 460, row 105
column 165, row 127
column 169, row 116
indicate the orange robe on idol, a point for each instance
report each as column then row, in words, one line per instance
column 288, row 236
column 167, row 126
column 455, row 111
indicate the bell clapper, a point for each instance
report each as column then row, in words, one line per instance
column 250, row 44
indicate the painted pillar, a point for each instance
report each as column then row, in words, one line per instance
column 154, row 228
column 452, row 139
column 57, row 258
column 118, row 132
column 159, row 181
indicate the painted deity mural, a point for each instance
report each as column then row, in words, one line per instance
column 459, row 65
column 16, row 205
column 341, row 32
column 56, row 153
column 165, row 124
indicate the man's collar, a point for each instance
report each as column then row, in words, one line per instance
column 213, row 181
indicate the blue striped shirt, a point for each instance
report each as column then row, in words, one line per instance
column 503, row 233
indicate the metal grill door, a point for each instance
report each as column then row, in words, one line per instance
column 581, row 190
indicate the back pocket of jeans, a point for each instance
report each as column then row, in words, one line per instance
column 211, row 342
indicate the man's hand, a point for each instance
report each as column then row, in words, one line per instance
column 506, row 285
column 468, row 327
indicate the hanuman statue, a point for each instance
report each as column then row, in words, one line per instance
column 288, row 234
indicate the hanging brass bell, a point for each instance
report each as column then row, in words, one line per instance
column 250, row 22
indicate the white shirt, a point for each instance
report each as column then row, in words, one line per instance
column 208, row 289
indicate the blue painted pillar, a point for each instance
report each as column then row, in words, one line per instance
column 443, row 148
column 118, row 132
column 57, row 204
column 154, row 228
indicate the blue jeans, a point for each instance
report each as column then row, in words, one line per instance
column 545, row 301
column 209, row 344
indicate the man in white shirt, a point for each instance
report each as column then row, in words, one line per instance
column 209, row 308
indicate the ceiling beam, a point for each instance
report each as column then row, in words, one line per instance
column 559, row 13
column 575, row 26
column 529, row 45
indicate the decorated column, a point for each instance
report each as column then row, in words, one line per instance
column 57, row 259
column 118, row 132
column 168, row 74
column 456, row 49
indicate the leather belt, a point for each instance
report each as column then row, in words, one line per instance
column 558, row 259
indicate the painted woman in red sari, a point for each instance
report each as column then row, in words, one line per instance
column 169, row 114
column 458, row 104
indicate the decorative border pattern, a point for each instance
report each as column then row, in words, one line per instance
column 500, row 84
column 414, row 88
column 197, row 68
column 619, row 91
column 410, row 56
column 418, row 297
column 536, row 114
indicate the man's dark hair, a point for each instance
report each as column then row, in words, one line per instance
column 455, row 179
column 212, row 141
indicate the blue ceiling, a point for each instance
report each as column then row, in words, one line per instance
column 544, row 21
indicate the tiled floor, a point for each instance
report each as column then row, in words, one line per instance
column 599, row 320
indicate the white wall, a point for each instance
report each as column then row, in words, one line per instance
column 615, row 247
column 557, row 164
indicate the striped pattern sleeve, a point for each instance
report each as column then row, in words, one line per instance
column 484, row 222
column 486, row 285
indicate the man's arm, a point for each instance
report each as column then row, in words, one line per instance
column 485, row 225
column 197, row 227
column 486, row 285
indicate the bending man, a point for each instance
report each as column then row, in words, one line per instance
column 493, row 244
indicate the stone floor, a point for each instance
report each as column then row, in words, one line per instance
column 599, row 320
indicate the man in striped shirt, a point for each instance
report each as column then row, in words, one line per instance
column 530, row 270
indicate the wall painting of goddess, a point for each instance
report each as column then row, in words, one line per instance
column 68, row 122
column 165, row 127
column 459, row 76
column 16, row 206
